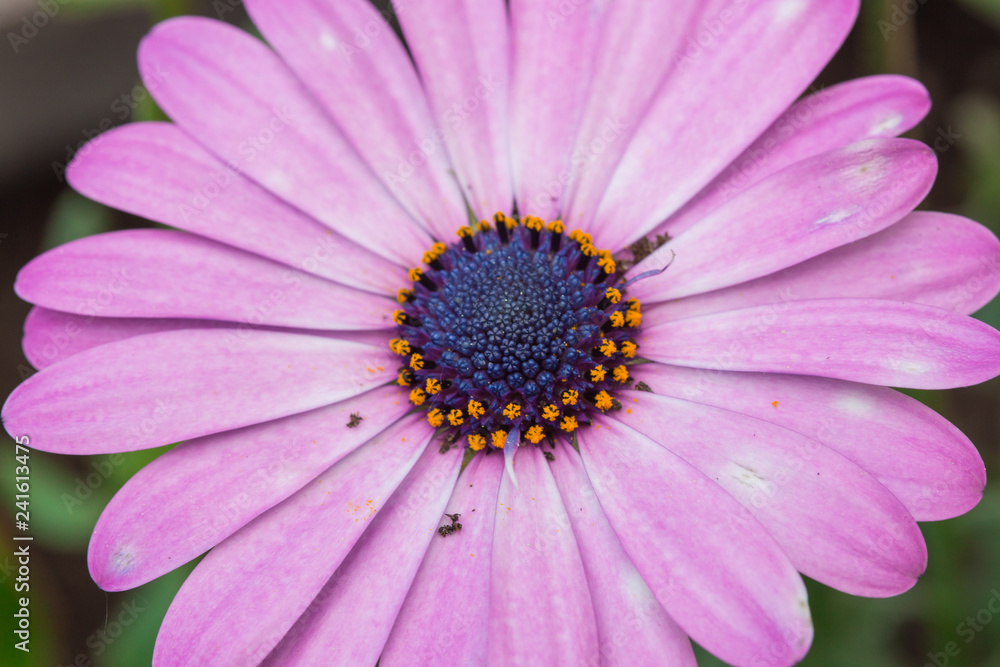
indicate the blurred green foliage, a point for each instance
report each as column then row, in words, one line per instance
column 158, row 9
column 73, row 217
column 989, row 10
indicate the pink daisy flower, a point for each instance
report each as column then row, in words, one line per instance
column 598, row 245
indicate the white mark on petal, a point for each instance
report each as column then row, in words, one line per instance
column 789, row 10
column 123, row 559
column 912, row 366
column 886, row 126
column 748, row 477
column 636, row 589
column 509, row 450
column 278, row 181
column 836, row 216
column 854, row 405
column 327, row 41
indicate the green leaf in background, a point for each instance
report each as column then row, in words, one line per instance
column 68, row 494
column 988, row 10
column 103, row 6
column 147, row 110
column 42, row 597
column 73, row 217
column 145, row 608
column 53, row 525
column 159, row 9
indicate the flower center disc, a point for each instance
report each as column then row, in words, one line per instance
column 515, row 332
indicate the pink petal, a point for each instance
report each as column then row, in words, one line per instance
column 935, row 259
column 807, row 209
column 51, row 336
column 720, row 98
column 461, row 48
column 336, row 629
column 553, row 49
column 862, row 340
column 158, row 520
column 637, row 50
column 921, row 458
column 347, row 55
column 155, row 170
column 166, row 387
column 632, row 626
column 246, row 594
column 159, row 273
column 540, row 607
column 711, row 565
column 875, row 106
column 232, row 94
column 837, row 524
column 457, row 614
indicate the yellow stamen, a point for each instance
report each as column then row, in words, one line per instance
column 550, row 412
column 476, row 442
column 569, row 397
column 464, row 231
column 533, row 223
column 603, row 401
column 628, row 349
column 621, row 374
column 588, row 249
column 485, row 226
column 417, row 396
column 633, row 304
column 404, row 378
column 415, row 274
column 435, row 418
column 455, row 417
column 597, row 374
column 556, row 226
column 569, row 424
column 614, row 296
column 512, row 411
column 433, row 386
column 505, row 220
column 608, row 347
column 417, row 362
column 608, row 265
column 616, row 319
column 398, row 316
column 633, row 318
column 476, row 409
column 399, row 346
column 535, row 434
column 499, row 438
column 580, row 237
column 404, row 295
